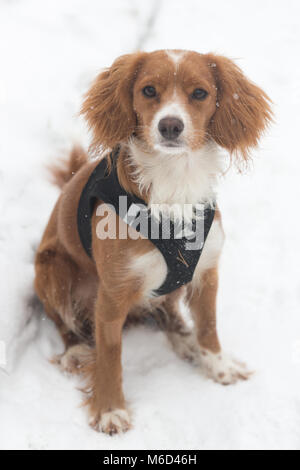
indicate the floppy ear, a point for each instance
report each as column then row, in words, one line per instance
column 108, row 105
column 243, row 109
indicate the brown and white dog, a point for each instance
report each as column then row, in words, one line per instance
column 170, row 112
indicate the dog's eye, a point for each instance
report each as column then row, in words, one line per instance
column 149, row 91
column 199, row 94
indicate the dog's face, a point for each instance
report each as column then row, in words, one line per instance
column 175, row 101
column 174, row 98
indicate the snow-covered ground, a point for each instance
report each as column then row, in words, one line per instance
column 49, row 52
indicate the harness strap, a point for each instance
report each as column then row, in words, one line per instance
column 181, row 260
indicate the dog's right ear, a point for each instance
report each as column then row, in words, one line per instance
column 108, row 105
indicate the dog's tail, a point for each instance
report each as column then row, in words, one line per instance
column 62, row 172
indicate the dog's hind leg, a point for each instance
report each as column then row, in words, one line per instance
column 73, row 360
column 56, row 285
column 172, row 319
column 171, row 316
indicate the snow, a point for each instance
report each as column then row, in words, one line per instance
column 50, row 51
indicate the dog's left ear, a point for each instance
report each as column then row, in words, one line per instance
column 108, row 106
column 243, row 109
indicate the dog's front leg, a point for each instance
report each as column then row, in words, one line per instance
column 217, row 365
column 107, row 404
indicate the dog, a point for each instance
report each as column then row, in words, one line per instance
column 169, row 113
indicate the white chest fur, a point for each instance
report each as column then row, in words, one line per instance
column 177, row 179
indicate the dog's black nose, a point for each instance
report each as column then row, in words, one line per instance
column 170, row 127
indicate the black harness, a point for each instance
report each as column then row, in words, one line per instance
column 181, row 251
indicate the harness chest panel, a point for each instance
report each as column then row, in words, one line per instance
column 181, row 251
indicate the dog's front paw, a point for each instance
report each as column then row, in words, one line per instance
column 222, row 368
column 112, row 422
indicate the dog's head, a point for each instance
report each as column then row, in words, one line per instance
column 175, row 101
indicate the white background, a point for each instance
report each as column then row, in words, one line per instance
column 49, row 53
